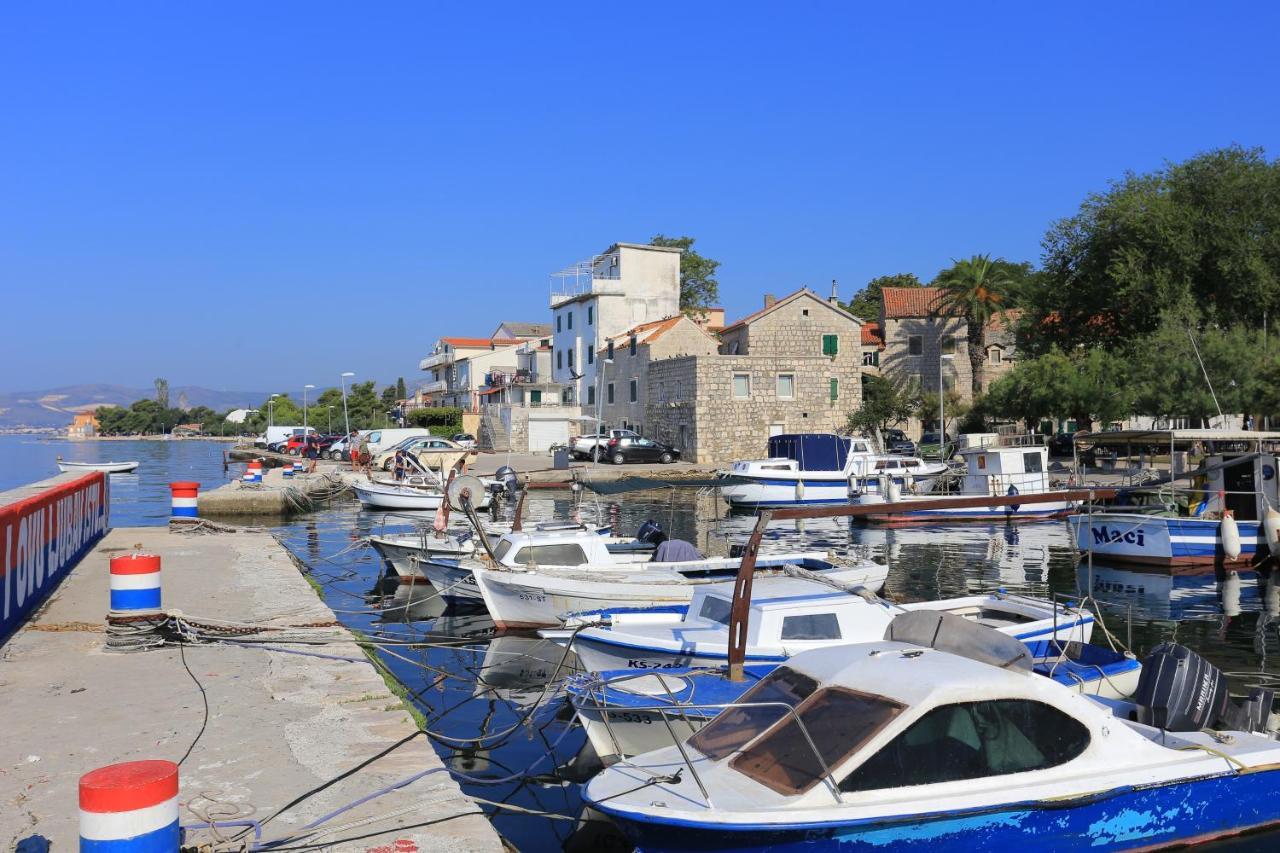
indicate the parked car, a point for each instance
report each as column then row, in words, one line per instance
column 387, row 458
column 928, row 446
column 464, row 439
column 295, row 444
column 1061, row 444
column 340, row 450
column 639, row 449
column 587, row 445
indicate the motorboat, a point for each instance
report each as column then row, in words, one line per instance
column 797, row 614
column 990, row 471
column 105, row 467
column 817, row 469
column 918, row 742
column 547, row 596
column 564, row 544
column 388, row 496
column 615, row 707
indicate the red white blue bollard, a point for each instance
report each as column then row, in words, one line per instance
column 184, row 495
column 130, row 808
column 135, row 583
column 253, row 473
column 297, row 467
column 287, row 472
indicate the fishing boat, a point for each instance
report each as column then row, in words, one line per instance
column 403, row 552
column 614, row 707
column 798, row 614
column 105, row 467
column 989, row 471
column 546, row 596
column 387, row 496
column 819, row 468
column 937, row 739
column 1161, row 524
column 553, row 544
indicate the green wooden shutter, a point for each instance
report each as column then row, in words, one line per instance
column 830, row 344
column 835, row 390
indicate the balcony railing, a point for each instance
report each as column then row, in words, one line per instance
column 599, row 274
column 436, row 359
column 437, row 387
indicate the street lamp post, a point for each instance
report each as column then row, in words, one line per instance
column 346, row 418
column 304, row 406
column 271, row 410
column 331, row 420
column 595, row 452
column 942, row 404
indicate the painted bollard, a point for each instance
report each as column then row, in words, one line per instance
column 297, row 467
column 253, row 472
column 184, row 495
column 135, row 583
column 130, row 808
column 286, row 471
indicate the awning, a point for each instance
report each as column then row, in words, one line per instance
column 1164, row 437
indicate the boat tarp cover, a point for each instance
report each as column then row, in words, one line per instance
column 948, row 632
column 814, row 451
column 636, row 484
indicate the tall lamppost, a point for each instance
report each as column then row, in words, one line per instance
column 331, row 420
column 595, row 451
column 304, row 406
column 942, row 403
column 271, row 410
column 346, row 418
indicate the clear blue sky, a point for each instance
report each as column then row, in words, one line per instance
column 261, row 195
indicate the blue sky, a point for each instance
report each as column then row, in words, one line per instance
column 261, row 195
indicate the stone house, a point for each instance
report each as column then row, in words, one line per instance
column 793, row 366
column 623, row 386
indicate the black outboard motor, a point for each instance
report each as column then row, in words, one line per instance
column 647, row 529
column 507, row 479
column 1179, row 691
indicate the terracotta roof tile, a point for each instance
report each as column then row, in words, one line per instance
column 911, row 301
column 871, row 335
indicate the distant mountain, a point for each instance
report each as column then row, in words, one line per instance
column 55, row 406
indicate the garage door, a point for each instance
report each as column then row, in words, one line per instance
column 543, row 434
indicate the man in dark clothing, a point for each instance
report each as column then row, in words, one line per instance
column 672, row 550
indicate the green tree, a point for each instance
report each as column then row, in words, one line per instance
column 977, row 289
column 866, row 303
column 1084, row 385
column 401, row 392
column 884, row 405
column 389, row 397
column 1203, row 234
column 162, row 392
column 699, row 287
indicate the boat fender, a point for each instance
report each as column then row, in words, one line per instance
column 799, row 490
column 895, row 492
column 1229, row 532
column 1271, row 525
column 908, row 482
column 1013, row 490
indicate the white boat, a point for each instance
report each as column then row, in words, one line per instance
column 990, row 471
column 911, row 745
column 387, row 496
column 403, row 551
column 819, row 468
column 797, row 614
column 545, row 597
column 560, row 544
column 105, row 467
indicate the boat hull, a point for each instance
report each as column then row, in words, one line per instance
column 104, row 467
column 802, row 488
column 452, row 580
column 1134, row 539
column 971, row 515
column 1129, row 818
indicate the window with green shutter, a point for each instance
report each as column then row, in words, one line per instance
column 835, row 389
column 830, row 344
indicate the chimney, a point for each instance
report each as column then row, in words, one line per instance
column 835, row 300
column 769, row 300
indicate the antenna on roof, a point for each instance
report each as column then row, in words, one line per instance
column 835, row 300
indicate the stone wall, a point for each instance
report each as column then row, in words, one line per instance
column 692, row 403
column 684, row 338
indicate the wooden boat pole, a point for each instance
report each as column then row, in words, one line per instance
column 741, row 607
column 516, row 523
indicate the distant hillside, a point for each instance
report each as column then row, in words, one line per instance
column 55, row 406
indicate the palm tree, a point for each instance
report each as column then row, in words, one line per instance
column 977, row 289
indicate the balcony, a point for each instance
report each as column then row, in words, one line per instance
column 600, row 274
column 437, row 387
column 436, row 359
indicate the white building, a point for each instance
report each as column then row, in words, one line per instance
column 592, row 301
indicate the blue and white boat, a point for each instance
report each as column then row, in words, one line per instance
column 795, row 614
column 990, row 471
column 616, row 708
column 816, row 469
column 894, row 746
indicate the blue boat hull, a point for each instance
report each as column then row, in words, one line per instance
column 1123, row 819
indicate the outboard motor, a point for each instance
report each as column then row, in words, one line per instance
column 647, row 529
column 1179, row 691
column 507, row 479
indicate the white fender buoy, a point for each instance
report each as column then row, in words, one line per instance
column 1229, row 532
column 1271, row 526
column 895, row 492
column 908, row 482
column 799, row 490
column 1230, row 590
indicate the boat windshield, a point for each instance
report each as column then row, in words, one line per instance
column 837, row 720
column 736, row 726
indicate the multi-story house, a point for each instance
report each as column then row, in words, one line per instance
column 627, row 285
column 793, row 366
column 456, row 368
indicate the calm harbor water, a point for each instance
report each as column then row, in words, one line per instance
column 486, row 699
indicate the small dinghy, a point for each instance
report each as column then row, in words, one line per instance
column 617, row 708
column 954, row 743
column 387, row 496
column 105, row 467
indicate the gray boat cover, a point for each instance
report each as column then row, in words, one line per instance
column 948, row 632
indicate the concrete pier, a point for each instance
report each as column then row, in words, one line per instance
column 274, row 495
column 279, row 723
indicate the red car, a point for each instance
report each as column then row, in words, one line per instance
column 296, row 445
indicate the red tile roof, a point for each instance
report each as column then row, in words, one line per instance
column 647, row 333
column 911, row 301
column 871, row 335
column 790, row 297
column 483, row 343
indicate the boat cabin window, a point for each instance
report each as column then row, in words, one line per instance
column 911, row 463
column 858, row 447
column 886, row 464
column 736, row 726
column 811, row 626
column 567, row 554
column 971, row 740
column 501, row 551
column 838, row 720
column 1031, row 463
column 715, row 609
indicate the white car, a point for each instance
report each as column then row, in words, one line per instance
column 387, row 458
column 465, row 439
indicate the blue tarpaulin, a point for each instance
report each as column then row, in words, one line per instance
column 814, row 451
